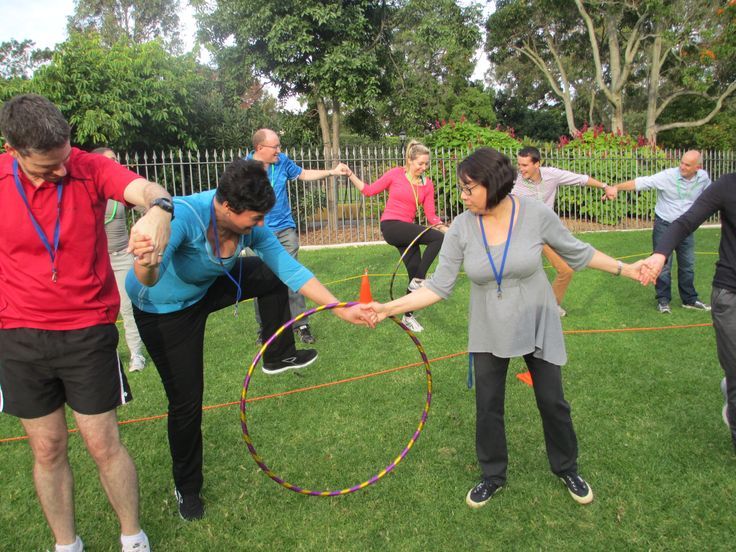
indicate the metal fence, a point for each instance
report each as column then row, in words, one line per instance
column 332, row 211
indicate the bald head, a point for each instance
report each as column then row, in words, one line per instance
column 690, row 163
column 266, row 146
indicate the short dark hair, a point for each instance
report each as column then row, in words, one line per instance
column 492, row 170
column 530, row 151
column 30, row 122
column 246, row 187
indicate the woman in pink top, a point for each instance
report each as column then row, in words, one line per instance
column 407, row 189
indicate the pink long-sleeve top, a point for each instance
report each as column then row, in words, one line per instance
column 402, row 203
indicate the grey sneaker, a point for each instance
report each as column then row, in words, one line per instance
column 416, row 283
column 301, row 358
column 579, row 490
column 697, row 305
column 305, row 335
column 137, row 363
column 479, row 495
column 664, row 308
column 410, row 322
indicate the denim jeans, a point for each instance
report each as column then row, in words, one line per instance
column 685, row 267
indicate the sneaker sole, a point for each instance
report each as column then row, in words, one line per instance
column 285, row 368
column 587, row 499
column 477, row 505
column 690, row 307
column 724, row 413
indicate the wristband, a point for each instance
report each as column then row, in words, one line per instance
column 620, row 268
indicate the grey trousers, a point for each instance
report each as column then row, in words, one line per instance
column 723, row 312
column 290, row 240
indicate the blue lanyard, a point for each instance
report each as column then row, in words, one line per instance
column 496, row 274
column 41, row 234
column 219, row 259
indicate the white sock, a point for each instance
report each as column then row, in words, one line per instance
column 129, row 540
column 76, row 546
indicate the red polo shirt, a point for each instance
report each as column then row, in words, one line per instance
column 85, row 293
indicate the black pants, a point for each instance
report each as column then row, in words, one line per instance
column 490, row 433
column 175, row 342
column 400, row 234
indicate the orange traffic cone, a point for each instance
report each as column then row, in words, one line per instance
column 526, row 377
column 365, row 289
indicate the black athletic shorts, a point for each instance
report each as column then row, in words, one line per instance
column 40, row 370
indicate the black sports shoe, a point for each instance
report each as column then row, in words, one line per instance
column 579, row 490
column 305, row 335
column 191, row 507
column 302, row 358
column 481, row 493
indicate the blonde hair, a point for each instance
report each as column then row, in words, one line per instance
column 414, row 149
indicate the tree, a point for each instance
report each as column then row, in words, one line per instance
column 137, row 20
column 433, row 43
column 668, row 48
column 326, row 51
column 20, row 59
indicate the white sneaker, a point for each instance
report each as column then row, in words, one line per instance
column 410, row 322
column 724, row 413
column 561, row 311
column 140, row 545
column 137, row 363
column 416, row 283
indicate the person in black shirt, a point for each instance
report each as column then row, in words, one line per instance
column 721, row 196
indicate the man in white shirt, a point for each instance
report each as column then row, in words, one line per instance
column 677, row 189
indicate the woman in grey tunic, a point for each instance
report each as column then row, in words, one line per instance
column 513, row 312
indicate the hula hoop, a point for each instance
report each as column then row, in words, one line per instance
column 297, row 489
column 406, row 250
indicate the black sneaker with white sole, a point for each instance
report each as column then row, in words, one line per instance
column 191, row 507
column 579, row 490
column 479, row 495
column 302, row 358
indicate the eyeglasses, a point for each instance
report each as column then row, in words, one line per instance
column 467, row 190
column 276, row 147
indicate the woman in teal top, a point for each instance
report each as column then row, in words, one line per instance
column 201, row 272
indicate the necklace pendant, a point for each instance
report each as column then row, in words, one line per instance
column 235, row 312
column 53, row 275
column 499, row 293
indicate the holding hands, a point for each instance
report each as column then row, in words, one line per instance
column 341, row 169
column 610, row 192
column 651, row 267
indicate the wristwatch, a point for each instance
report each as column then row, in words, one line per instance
column 164, row 203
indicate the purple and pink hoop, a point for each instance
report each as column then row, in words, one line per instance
column 297, row 489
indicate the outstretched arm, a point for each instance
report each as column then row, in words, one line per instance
column 312, row 174
column 604, row 263
column 317, row 292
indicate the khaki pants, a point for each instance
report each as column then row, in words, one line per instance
column 564, row 273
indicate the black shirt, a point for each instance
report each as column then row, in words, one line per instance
column 720, row 196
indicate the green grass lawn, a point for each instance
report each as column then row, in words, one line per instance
column 646, row 406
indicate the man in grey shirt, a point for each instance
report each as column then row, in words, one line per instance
column 116, row 229
column 541, row 183
column 677, row 189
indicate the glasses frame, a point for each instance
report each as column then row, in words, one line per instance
column 467, row 190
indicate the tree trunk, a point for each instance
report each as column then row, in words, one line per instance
column 655, row 64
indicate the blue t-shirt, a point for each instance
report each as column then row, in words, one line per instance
column 189, row 266
column 279, row 173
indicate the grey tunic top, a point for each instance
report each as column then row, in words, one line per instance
column 525, row 319
column 116, row 229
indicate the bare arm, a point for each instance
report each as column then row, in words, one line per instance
column 626, row 186
column 604, row 263
column 318, row 293
column 312, row 174
column 155, row 224
column 423, row 297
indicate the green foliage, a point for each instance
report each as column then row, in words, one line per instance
column 20, row 59
column 611, row 158
column 138, row 21
column 455, row 140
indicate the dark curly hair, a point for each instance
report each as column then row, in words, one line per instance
column 246, row 187
column 30, row 122
column 492, row 170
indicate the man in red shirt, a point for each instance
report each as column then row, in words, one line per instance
column 59, row 303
